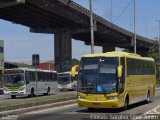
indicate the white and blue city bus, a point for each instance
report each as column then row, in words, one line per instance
column 31, row 82
column 66, row 81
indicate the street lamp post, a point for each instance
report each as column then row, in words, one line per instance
column 91, row 27
column 111, row 11
column 159, row 48
column 135, row 42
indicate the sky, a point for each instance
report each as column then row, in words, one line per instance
column 20, row 44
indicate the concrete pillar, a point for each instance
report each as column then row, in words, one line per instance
column 63, row 50
column 108, row 47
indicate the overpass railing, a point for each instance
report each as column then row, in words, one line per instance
column 98, row 18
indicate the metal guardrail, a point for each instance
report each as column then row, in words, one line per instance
column 103, row 21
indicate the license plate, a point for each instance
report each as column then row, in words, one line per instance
column 96, row 103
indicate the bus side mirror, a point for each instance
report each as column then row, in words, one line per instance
column 119, row 71
column 74, row 70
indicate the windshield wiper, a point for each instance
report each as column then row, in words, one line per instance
column 87, row 89
column 105, row 91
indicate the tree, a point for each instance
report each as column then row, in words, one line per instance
column 154, row 53
column 75, row 61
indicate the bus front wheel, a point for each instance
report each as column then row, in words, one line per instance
column 48, row 90
column 126, row 103
column 32, row 93
column 148, row 97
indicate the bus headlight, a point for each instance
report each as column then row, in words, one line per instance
column 112, row 97
column 81, row 97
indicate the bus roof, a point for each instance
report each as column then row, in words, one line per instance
column 31, row 69
column 118, row 54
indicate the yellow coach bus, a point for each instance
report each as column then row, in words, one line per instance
column 115, row 80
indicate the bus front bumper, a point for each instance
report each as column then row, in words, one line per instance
column 98, row 104
column 64, row 87
column 18, row 93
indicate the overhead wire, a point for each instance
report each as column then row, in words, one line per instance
column 123, row 11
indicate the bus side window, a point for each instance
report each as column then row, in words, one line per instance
column 50, row 77
column 27, row 78
column 55, row 76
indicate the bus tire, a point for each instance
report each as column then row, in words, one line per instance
column 48, row 90
column 126, row 103
column 32, row 93
column 148, row 97
column 13, row 96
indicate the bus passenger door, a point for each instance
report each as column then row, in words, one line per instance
column 122, row 79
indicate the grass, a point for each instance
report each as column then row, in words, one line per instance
column 34, row 100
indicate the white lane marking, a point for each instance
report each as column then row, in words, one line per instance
column 148, row 112
column 154, row 109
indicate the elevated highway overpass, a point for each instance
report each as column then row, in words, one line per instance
column 66, row 20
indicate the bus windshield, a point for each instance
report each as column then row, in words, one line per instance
column 16, row 79
column 63, row 79
column 98, row 75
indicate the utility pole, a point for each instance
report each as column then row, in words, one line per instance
column 135, row 42
column 111, row 11
column 91, row 27
column 159, row 48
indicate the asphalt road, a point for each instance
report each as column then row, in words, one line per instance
column 72, row 112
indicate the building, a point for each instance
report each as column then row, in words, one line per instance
column 48, row 65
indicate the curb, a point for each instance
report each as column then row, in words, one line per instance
column 29, row 109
